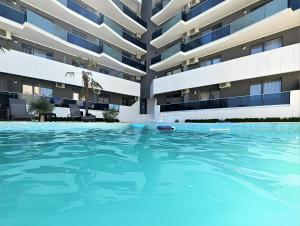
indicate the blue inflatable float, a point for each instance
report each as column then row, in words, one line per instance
column 165, row 128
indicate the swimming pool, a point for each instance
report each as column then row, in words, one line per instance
column 54, row 174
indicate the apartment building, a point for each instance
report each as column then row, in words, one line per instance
column 47, row 39
column 225, row 59
column 157, row 60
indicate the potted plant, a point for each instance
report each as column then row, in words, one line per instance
column 42, row 107
column 110, row 115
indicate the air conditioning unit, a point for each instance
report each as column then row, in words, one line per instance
column 60, row 85
column 138, row 56
column 139, row 35
column 193, row 60
column 185, row 91
column 194, row 3
column 192, row 32
column 184, row 35
column 186, row 7
column 225, row 85
column 185, row 63
column 5, row 35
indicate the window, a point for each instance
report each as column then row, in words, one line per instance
column 175, row 71
column 266, row 46
column 125, row 101
column 36, row 90
column 75, row 96
column 27, row 89
column 204, row 95
column 211, row 61
column 205, row 63
column 272, row 87
column 255, row 89
column 37, row 52
column 27, row 49
column 46, row 92
column 267, row 87
column 273, row 44
column 257, row 49
column 215, row 94
column 104, row 71
column 171, row 99
column 216, row 60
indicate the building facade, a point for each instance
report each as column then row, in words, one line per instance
column 157, row 60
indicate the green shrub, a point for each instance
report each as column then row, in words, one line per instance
column 110, row 115
column 41, row 106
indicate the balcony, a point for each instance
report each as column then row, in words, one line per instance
column 100, row 19
column 186, row 16
column 126, row 10
column 36, row 67
column 12, row 14
column 252, row 18
column 57, row 101
column 50, row 27
column 231, row 102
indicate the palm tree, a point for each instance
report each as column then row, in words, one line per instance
column 88, row 82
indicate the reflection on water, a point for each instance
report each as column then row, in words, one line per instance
column 100, row 174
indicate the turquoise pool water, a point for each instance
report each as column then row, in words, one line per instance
column 62, row 174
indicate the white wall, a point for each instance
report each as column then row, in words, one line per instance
column 280, row 111
column 277, row 61
column 18, row 63
column 132, row 114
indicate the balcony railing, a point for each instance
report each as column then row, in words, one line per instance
column 259, row 14
column 167, row 25
column 12, row 14
column 231, row 102
column 159, row 6
column 76, row 7
column 57, row 101
column 186, row 16
column 201, row 8
column 126, row 10
column 57, row 31
column 120, row 57
column 100, row 19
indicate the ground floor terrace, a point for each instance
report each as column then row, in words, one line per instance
column 265, row 97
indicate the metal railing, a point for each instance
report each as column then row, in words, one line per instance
column 126, row 10
column 57, row 101
column 255, row 16
column 99, row 19
column 230, row 102
column 50, row 27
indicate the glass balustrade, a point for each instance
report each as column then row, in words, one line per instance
column 255, row 16
column 120, row 57
column 11, row 14
column 126, row 10
column 231, row 102
column 46, row 25
column 201, row 8
column 76, row 7
column 159, row 6
column 50, row 27
column 186, row 16
column 167, row 25
column 99, row 19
